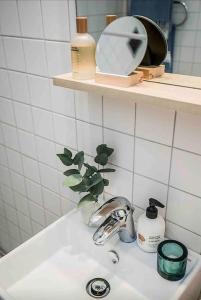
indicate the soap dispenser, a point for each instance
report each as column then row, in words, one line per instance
column 151, row 227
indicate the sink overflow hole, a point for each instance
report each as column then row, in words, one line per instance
column 98, row 288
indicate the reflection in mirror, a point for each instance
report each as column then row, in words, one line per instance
column 179, row 20
column 122, row 46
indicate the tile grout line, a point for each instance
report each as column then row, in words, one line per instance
column 170, row 165
column 134, row 148
column 14, row 115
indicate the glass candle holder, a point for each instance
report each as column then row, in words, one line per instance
column 171, row 260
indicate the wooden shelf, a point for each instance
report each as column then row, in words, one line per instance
column 166, row 95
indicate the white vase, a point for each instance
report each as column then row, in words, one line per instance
column 87, row 209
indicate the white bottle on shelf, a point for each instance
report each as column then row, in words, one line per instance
column 83, row 48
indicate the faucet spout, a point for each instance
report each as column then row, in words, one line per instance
column 117, row 217
column 108, row 228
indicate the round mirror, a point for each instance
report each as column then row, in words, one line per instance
column 122, row 46
column 157, row 45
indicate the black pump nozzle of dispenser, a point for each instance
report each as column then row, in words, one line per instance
column 152, row 211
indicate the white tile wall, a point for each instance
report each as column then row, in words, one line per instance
column 187, row 39
column 34, row 46
column 155, row 155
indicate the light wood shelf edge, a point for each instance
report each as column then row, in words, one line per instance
column 169, row 96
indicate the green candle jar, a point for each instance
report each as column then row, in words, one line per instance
column 171, row 260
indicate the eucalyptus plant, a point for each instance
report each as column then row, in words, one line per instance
column 86, row 178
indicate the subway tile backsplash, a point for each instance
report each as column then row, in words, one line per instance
column 157, row 151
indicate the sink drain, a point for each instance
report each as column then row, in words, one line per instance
column 98, row 288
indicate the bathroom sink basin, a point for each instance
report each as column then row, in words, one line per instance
column 58, row 263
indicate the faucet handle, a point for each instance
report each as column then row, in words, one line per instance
column 114, row 205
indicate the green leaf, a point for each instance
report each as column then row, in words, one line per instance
column 79, row 159
column 72, row 180
column 82, row 186
column 71, row 172
column 90, row 170
column 106, row 170
column 103, row 148
column 95, row 179
column 65, row 159
column 101, row 159
column 106, row 182
column 87, row 197
column 67, row 152
column 97, row 189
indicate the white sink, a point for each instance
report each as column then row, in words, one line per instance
column 57, row 264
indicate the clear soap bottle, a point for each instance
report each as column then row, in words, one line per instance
column 83, row 48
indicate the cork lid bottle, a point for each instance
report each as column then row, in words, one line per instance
column 110, row 19
column 81, row 24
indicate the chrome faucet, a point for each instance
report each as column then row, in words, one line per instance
column 117, row 214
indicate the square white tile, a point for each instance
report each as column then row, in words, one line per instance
column 21, row 203
column 14, row 161
column 123, row 146
column 58, row 58
column 56, row 20
column 4, row 84
column 19, row 86
column 191, row 240
column 187, row 54
column 24, row 223
column 65, row 130
column 119, row 114
column 25, row 236
column 34, row 192
column 30, row 18
column 6, row 111
column 155, row 123
column 187, row 132
column 37, row 213
column 144, row 188
column 66, row 205
column 52, row 202
column 18, row 184
column 23, row 116
column 15, row 59
column 35, row 56
column 89, row 137
column 7, row 195
column 14, row 231
column 50, row 217
column 39, row 91
column 152, row 160
column 36, row 227
column 88, row 107
column 11, row 214
column 9, row 20
column 186, row 172
column 49, row 177
column 3, row 156
column 10, row 136
column 5, row 176
column 120, row 183
column 2, row 54
column 63, row 101
column 184, row 209
column 27, row 143
column 46, row 152
column 31, row 169
column 43, row 123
